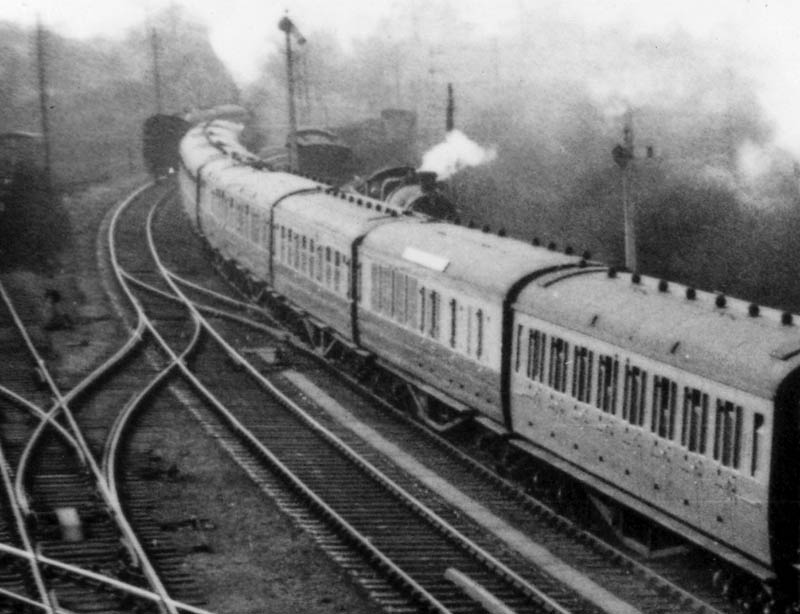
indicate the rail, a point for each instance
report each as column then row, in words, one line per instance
column 62, row 406
column 22, row 531
column 390, row 485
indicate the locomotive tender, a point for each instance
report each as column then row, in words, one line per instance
column 678, row 404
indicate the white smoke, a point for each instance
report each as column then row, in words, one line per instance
column 457, row 151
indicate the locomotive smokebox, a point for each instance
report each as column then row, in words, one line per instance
column 427, row 180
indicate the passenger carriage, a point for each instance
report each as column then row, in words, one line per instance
column 665, row 403
column 314, row 258
column 433, row 304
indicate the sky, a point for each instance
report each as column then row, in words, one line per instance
column 243, row 32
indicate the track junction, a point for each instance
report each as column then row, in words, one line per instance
column 417, row 521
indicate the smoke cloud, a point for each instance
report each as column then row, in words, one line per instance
column 456, row 152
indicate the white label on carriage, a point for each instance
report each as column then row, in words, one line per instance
column 431, row 261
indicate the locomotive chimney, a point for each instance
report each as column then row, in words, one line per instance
column 427, row 181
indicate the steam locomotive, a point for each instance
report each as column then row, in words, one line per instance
column 667, row 405
column 162, row 134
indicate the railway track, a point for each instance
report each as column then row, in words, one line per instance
column 415, row 520
column 67, row 545
column 634, row 582
column 286, row 441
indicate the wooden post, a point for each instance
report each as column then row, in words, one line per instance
column 156, row 72
column 628, row 205
column 44, row 103
column 289, row 28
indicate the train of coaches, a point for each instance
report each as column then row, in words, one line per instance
column 663, row 402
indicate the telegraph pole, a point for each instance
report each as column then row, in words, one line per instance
column 623, row 156
column 156, row 71
column 450, row 121
column 43, row 101
column 289, row 29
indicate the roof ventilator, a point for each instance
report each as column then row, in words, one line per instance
column 720, row 301
column 753, row 310
column 663, row 285
column 691, row 294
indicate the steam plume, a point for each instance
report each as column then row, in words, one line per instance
column 457, row 151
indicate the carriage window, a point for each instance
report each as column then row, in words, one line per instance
column 255, row 227
column 374, row 294
column 727, row 433
column 759, row 443
column 582, row 374
column 304, row 256
column 328, row 273
column 537, row 342
column 559, row 357
column 337, row 258
column 479, row 333
column 320, row 265
column 519, row 348
column 337, row 275
column 386, row 289
column 469, row 330
column 311, row 259
column 695, row 420
column 453, row 316
column 422, row 309
column 411, row 301
column 348, row 279
column 665, row 394
column 607, row 373
column 634, row 395
column 434, row 328
column 359, row 283
column 399, row 304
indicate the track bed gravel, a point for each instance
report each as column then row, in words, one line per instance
column 249, row 557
